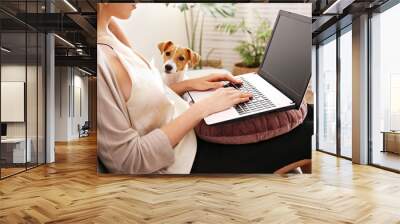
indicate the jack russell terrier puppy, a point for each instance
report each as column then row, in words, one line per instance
column 176, row 61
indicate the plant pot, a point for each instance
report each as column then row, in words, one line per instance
column 239, row 69
column 214, row 63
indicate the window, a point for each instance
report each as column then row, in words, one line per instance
column 385, row 89
column 327, row 96
column 346, row 92
column 335, row 74
column 22, row 77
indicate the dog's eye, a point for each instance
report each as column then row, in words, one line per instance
column 181, row 58
column 167, row 53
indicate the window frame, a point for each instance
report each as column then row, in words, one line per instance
column 333, row 37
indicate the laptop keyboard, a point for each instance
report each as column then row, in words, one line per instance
column 259, row 102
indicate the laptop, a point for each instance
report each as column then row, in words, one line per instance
column 282, row 79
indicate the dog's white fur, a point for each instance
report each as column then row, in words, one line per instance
column 173, row 76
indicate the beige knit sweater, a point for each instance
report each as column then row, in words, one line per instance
column 129, row 139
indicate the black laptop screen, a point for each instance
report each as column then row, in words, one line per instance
column 287, row 61
column 3, row 129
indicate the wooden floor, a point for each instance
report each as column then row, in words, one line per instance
column 70, row 191
column 5, row 172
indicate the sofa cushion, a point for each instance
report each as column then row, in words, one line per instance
column 254, row 128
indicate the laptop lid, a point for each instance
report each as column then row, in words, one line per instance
column 3, row 129
column 287, row 58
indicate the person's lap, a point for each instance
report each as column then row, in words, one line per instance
column 262, row 157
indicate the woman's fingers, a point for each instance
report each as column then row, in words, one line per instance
column 240, row 97
column 215, row 85
column 224, row 98
column 224, row 77
column 228, row 90
column 244, row 99
column 239, row 100
column 238, row 93
column 236, row 96
column 244, row 94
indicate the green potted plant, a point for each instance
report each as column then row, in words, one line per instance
column 194, row 14
column 252, row 49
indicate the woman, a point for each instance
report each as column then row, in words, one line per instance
column 144, row 126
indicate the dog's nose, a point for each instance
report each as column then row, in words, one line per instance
column 168, row 67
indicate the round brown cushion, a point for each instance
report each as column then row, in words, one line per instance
column 254, row 128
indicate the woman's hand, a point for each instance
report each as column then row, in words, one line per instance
column 221, row 99
column 213, row 81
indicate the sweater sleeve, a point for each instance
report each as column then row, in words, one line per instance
column 119, row 146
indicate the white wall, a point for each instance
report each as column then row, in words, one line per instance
column 33, row 127
column 81, row 84
column 15, row 72
column 13, row 100
column 61, row 103
column 68, row 82
column 152, row 23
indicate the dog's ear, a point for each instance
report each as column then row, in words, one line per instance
column 194, row 57
column 162, row 46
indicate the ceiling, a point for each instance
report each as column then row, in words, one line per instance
column 75, row 22
column 332, row 15
column 76, row 25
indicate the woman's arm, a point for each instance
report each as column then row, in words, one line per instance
column 181, row 87
column 121, row 148
column 177, row 129
column 208, row 82
column 221, row 99
column 118, row 33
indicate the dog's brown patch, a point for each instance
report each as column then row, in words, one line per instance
column 163, row 46
column 181, row 56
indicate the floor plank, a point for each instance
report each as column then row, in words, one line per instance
column 70, row 191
